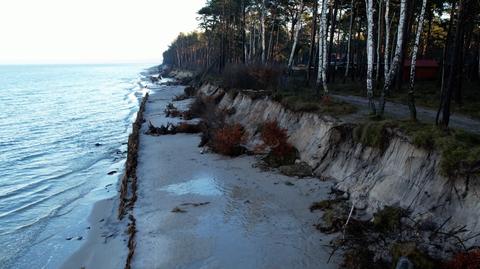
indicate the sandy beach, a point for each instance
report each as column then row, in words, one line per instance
column 198, row 210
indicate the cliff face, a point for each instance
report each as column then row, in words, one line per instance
column 401, row 174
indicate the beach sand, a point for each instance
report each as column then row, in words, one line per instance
column 199, row 210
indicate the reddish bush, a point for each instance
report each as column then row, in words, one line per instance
column 188, row 128
column 228, row 140
column 276, row 138
column 282, row 152
column 326, row 100
column 464, row 260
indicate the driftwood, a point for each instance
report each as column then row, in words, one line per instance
column 128, row 187
column 171, row 129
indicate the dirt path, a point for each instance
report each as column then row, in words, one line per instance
column 208, row 211
column 401, row 111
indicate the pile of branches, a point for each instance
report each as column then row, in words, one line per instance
column 390, row 236
column 171, row 129
column 188, row 92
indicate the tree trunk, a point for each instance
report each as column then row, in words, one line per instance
column 244, row 34
column 455, row 58
column 410, row 7
column 333, row 22
column 263, row 30
column 444, row 61
column 379, row 40
column 396, row 58
column 370, row 49
column 349, row 44
column 429, row 34
column 322, row 52
column 295, row 40
column 313, row 35
column 270, row 41
column 388, row 25
column 411, row 86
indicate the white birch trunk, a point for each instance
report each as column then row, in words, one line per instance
column 411, row 87
column 416, row 44
column 398, row 48
column 379, row 41
column 370, row 45
column 295, row 40
column 386, row 56
column 323, row 40
column 320, row 44
column 396, row 58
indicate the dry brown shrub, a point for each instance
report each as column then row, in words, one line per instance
column 276, row 138
column 228, row 140
column 464, row 260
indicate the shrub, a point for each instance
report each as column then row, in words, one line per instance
column 388, row 219
column 464, row 260
column 188, row 128
column 281, row 152
column 276, row 138
column 256, row 77
column 189, row 91
column 228, row 140
column 201, row 107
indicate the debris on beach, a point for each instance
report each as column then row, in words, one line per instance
column 178, row 210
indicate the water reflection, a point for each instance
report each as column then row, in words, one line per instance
column 203, row 186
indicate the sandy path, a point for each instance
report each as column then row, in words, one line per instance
column 235, row 216
column 401, row 111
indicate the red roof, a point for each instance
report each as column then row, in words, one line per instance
column 422, row 63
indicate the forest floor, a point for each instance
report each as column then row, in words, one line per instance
column 401, row 111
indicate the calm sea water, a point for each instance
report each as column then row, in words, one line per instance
column 62, row 129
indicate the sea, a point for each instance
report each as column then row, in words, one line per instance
column 63, row 134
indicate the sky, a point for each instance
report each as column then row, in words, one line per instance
column 92, row 31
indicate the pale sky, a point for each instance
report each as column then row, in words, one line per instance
column 92, row 31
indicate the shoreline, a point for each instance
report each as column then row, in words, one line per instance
column 265, row 212
column 106, row 237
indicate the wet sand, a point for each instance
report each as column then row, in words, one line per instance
column 199, row 210
column 226, row 213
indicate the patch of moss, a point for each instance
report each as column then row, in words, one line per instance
column 374, row 133
column 362, row 258
column 335, row 214
column 322, row 205
column 459, row 150
column 300, row 104
column 388, row 219
column 309, row 102
column 275, row 160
